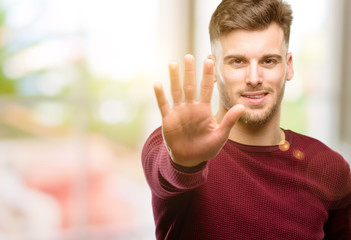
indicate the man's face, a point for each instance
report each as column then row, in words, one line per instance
column 252, row 68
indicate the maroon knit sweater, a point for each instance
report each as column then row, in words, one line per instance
column 298, row 191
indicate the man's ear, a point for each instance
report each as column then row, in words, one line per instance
column 213, row 58
column 290, row 70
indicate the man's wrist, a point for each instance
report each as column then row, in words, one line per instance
column 189, row 169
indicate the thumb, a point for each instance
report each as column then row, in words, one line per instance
column 231, row 117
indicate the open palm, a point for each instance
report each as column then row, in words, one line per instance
column 190, row 130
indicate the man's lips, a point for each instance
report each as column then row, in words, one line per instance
column 255, row 98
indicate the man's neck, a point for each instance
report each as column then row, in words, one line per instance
column 263, row 135
column 268, row 134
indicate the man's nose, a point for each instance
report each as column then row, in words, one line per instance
column 254, row 74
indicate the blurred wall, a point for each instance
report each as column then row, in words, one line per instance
column 345, row 87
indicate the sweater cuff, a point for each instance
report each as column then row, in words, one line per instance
column 182, row 178
column 193, row 169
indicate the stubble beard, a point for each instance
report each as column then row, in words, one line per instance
column 250, row 118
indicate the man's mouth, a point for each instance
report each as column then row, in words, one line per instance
column 254, row 98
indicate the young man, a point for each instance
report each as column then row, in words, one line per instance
column 238, row 175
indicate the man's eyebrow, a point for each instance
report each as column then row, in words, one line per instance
column 240, row 56
column 234, row 56
column 277, row 56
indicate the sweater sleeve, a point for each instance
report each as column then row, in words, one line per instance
column 165, row 178
column 338, row 226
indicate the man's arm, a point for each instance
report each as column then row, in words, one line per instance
column 338, row 226
column 174, row 158
column 165, row 178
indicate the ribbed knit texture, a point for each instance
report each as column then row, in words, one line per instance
column 301, row 190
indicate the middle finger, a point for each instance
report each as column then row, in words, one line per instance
column 189, row 78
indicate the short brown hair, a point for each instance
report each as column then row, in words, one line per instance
column 250, row 15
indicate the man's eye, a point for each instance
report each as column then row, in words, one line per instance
column 237, row 61
column 269, row 61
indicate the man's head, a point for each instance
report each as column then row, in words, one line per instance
column 249, row 15
column 249, row 40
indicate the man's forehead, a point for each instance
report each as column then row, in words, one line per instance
column 267, row 41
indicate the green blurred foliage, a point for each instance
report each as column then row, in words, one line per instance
column 293, row 115
column 7, row 86
column 82, row 98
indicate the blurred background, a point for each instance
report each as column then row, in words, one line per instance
column 76, row 104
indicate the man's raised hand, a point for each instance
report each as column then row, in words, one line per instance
column 190, row 130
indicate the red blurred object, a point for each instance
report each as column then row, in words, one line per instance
column 85, row 192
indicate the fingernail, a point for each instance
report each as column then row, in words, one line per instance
column 208, row 60
column 188, row 56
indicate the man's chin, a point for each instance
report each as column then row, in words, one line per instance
column 255, row 119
